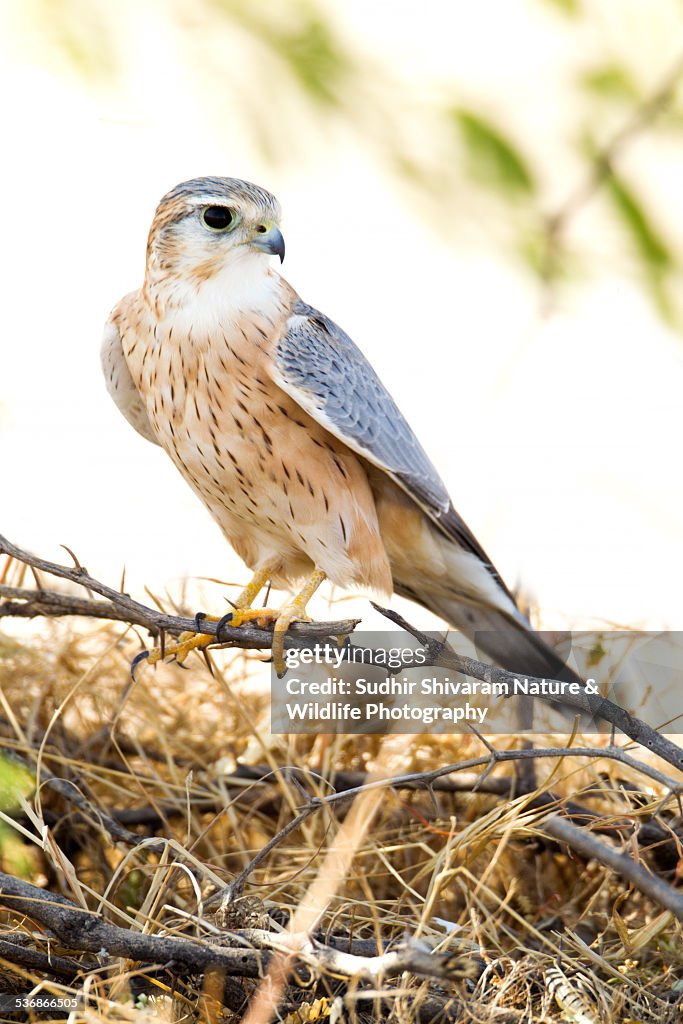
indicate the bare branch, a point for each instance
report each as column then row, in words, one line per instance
column 442, row 655
column 89, row 934
column 16, row 950
column 409, row 956
column 121, row 607
column 241, row 953
column 589, row 846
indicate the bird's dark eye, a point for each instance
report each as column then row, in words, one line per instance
column 218, row 218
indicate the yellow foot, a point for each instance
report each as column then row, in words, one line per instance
column 279, row 621
column 190, row 641
column 198, row 641
column 179, row 651
column 294, row 610
column 261, row 616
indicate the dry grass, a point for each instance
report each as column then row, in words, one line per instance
column 464, row 872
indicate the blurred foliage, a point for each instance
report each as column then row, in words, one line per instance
column 301, row 66
column 611, row 82
column 655, row 256
column 80, row 30
column 567, row 6
column 16, row 782
column 492, row 158
column 307, row 45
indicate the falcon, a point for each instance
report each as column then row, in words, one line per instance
column 281, row 426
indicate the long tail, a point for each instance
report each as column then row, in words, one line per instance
column 442, row 566
column 460, row 588
column 508, row 640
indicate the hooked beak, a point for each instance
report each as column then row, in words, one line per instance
column 271, row 242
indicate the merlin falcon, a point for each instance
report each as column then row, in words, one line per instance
column 281, row 426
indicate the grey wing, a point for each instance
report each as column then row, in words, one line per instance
column 320, row 367
column 120, row 383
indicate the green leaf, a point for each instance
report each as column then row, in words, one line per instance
column 649, row 243
column 596, row 654
column 571, row 7
column 657, row 258
column 493, row 159
column 315, row 59
column 82, row 32
column 303, row 40
column 611, row 81
column 15, row 781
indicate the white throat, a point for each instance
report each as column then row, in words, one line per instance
column 245, row 284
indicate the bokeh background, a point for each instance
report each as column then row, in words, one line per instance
column 488, row 197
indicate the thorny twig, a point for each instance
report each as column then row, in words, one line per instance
column 589, row 846
column 22, row 603
column 303, row 634
column 431, row 779
column 241, row 953
column 442, row 655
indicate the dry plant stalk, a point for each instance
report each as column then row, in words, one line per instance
column 360, row 845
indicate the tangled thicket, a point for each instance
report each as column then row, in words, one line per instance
column 157, row 842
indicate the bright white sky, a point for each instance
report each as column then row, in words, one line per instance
column 560, row 441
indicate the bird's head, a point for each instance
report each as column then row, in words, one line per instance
column 207, row 225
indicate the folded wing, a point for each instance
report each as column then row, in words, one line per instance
column 321, row 368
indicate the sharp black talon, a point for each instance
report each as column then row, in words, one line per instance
column 225, row 620
column 136, row 661
column 198, row 619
